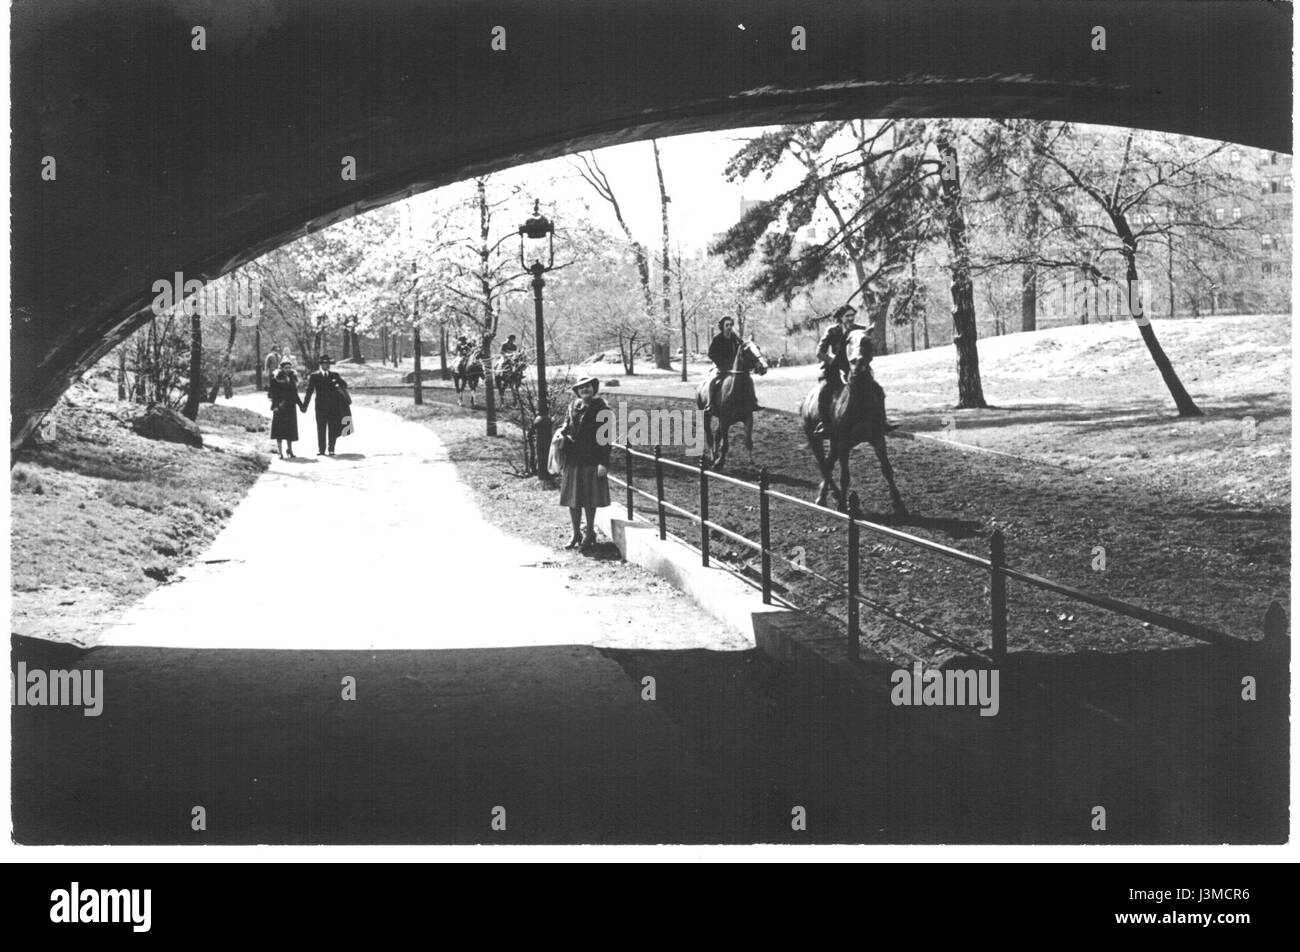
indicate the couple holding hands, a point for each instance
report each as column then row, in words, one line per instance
column 333, row 406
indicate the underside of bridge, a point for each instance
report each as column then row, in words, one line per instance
column 170, row 159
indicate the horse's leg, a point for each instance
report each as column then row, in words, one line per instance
column 724, row 440
column 825, row 464
column 708, row 436
column 882, row 454
column 749, row 437
column 844, row 453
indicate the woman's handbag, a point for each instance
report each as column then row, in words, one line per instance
column 555, row 462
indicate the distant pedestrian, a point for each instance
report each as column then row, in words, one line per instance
column 273, row 361
column 584, row 484
column 285, row 404
column 332, row 404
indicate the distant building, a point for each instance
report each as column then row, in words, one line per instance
column 1259, row 280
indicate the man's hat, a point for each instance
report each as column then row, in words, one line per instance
column 587, row 382
column 326, row 359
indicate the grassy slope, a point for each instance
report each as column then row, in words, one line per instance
column 1194, row 514
column 103, row 516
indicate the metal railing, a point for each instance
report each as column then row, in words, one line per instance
column 999, row 572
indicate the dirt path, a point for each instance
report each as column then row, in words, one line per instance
column 385, row 547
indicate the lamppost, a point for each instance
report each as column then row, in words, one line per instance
column 537, row 256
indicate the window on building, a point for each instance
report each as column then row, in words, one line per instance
column 1267, row 267
column 1272, row 186
column 1272, row 158
column 1218, row 214
column 1266, row 242
column 1236, row 214
column 1286, row 185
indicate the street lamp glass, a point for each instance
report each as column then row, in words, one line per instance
column 536, row 241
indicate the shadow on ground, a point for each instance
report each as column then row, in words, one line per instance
column 568, row 740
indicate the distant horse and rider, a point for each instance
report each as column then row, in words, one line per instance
column 508, row 371
column 728, row 393
column 467, row 370
column 847, row 407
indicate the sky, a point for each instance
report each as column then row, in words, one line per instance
column 702, row 204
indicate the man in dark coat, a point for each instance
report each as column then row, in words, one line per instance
column 722, row 351
column 329, row 389
column 833, row 355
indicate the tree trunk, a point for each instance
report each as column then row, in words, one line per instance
column 970, row 392
column 419, row 385
column 225, row 363
column 489, row 319
column 442, row 351
column 194, row 391
column 257, row 355
column 681, row 313
column 121, row 372
column 1169, row 273
column 1029, row 298
column 661, row 348
column 1186, row 406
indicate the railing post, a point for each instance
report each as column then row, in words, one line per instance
column 704, row 515
column 765, row 536
column 659, row 492
column 627, row 453
column 998, row 596
column 854, row 513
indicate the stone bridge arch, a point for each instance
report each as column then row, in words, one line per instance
column 173, row 158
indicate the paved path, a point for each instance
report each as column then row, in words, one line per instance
column 354, row 568
column 378, row 547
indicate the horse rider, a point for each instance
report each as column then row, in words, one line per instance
column 511, row 355
column 832, row 352
column 464, row 349
column 723, row 351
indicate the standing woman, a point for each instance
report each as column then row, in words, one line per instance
column 584, row 486
column 285, row 404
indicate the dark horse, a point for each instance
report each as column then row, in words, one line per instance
column 466, row 373
column 857, row 415
column 509, row 373
column 735, row 403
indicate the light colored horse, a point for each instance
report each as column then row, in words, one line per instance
column 856, row 415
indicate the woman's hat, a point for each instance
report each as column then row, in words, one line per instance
column 587, row 382
column 287, row 362
column 723, row 320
